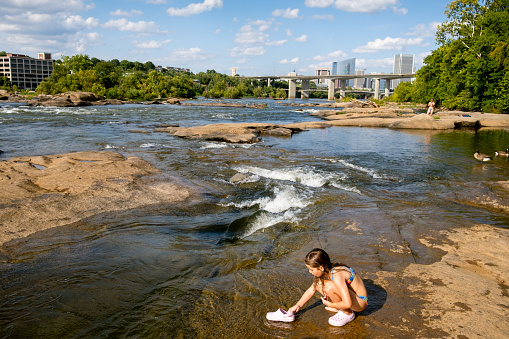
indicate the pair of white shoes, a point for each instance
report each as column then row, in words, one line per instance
column 339, row 319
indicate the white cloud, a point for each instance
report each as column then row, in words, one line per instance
column 76, row 22
column 302, row 38
column 424, row 30
column 332, row 56
column 9, row 27
column 217, row 31
column 288, row 32
column 323, row 17
column 250, row 37
column 364, row 6
column 195, row 8
column 292, row 61
column 120, row 12
column 287, row 13
column 193, row 53
column 46, row 6
column 402, row 11
column 156, row 2
column 276, row 43
column 388, row 44
column 151, row 44
column 374, row 63
column 337, row 54
column 318, row 3
column 81, row 42
column 241, row 51
column 263, row 25
column 138, row 27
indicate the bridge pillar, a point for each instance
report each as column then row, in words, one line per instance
column 342, row 88
column 268, row 82
column 330, row 96
column 304, row 91
column 377, row 88
column 387, row 87
column 292, row 89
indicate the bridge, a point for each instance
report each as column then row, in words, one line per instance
column 305, row 79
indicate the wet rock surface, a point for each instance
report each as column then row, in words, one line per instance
column 41, row 192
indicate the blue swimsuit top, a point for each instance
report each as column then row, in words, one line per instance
column 352, row 274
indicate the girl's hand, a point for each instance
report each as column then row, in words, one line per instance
column 325, row 301
column 294, row 309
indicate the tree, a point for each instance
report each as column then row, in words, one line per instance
column 466, row 70
column 77, row 62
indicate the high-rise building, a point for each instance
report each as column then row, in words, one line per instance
column 234, row 71
column 403, row 64
column 334, row 68
column 347, row 67
column 26, row 72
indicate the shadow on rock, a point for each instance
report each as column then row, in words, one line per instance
column 377, row 297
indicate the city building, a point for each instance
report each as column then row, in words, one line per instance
column 234, row 71
column 322, row 71
column 334, row 68
column 359, row 82
column 403, row 64
column 26, row 72
column 346, row 67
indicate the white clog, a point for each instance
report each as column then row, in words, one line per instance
column 281, row 315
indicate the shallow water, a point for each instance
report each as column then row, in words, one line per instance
column 214, row 268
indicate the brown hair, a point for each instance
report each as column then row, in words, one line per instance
column 318, row 257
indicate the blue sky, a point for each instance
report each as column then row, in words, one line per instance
column 258, row 37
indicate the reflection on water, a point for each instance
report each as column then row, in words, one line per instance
column 215, row 267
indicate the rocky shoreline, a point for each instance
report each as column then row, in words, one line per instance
column 77, row 99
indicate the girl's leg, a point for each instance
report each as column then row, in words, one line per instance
column 332, row 293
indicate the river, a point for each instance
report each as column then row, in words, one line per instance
column 213, row 268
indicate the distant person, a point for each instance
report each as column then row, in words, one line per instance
column 431, row 107
column 343, row 290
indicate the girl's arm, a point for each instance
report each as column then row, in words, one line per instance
column 310, row 292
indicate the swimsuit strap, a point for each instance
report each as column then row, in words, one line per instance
column 352, row 274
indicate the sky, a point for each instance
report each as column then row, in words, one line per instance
column 257, row 37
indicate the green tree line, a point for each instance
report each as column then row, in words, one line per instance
column 470, row 69
column 124, row 79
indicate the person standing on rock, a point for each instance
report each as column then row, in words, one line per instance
column 431, row 107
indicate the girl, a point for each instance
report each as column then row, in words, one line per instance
column 342, row 289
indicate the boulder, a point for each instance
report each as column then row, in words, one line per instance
column 83, row 96
column 277, row 132
column 39, row 192
column 238, row 177
column 173, row 101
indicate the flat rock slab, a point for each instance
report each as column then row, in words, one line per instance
column 466, row 292
column 241, row 132
column 40, row 192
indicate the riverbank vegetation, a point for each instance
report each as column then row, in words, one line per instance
column 470, row 69
column 116, row 79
